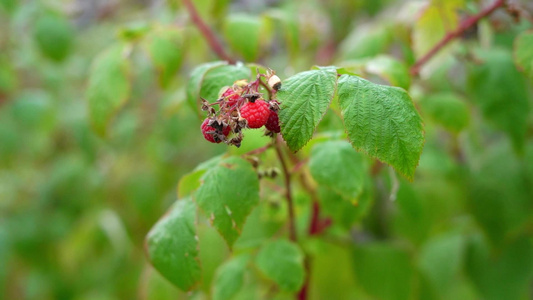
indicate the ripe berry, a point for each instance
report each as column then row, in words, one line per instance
column 212, row 134
column 272, row 123
column 231, row 96
column 256, row 113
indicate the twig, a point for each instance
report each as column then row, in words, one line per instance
column 288, row 192
column 465, row 25
column 206, row 31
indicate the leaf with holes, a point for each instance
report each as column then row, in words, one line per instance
column 172, row 245
column 383, row 122
column 282, row 262
column 305, row 98
column 229, row 192
column 109, row 86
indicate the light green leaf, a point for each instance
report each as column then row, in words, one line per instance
column 194, row 85
column 230, row 277
column 166, row 51
column 441, row 260
column 336, row 165
column 366, row 41
column 282, row 262
column 501, row 93
column 448, row 110
column 391, row 69
column 109, row 85
column 242, row 33
column 229, row 192
column 523, row 55
column 383, row 122
column 54, row 36
column 221, row 76
column 173, row 248
column 305, row 98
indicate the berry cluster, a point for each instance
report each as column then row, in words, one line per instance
column 242, row 106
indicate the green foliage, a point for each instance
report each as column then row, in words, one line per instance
column 448, row 110
column 54, row 36
column 282, row 262
column 230, row 278
column 382, row 122
column 229, row 192
column 523, row 56
column 304, row 98
column 166, row 51
column 109, row 86
column 172, row 245
column 242, row 33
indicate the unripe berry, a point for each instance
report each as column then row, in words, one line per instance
column 213, row 134
column 256, row 113
column 272, row 123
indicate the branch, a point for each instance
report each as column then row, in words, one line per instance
column 206, row 31
column 288, row 192
column 450, row 36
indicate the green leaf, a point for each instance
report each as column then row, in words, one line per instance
column 384, row 271
column 305, row 98
column 366, row 41
column 391, row 69
column 501, row 93
column 242, row 33
column 230, row 278
column 282, row 262
column 173, row 248
column 383, row 122
column 166, row 51
column 448, row 110
column 441, row 259
column 523, row 56
column 194, row 85
column 336, row 165
column 109, row 85
column 229, row 192
column 54, row 36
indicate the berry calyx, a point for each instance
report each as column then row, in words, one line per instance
column 256, row 113
column 215, row 133
column 272, row 123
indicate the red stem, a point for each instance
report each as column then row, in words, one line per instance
column 450, row 36
column 206, row 31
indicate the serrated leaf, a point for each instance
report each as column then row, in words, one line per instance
column 336, row 165
column 166, row 51
column 394, row 71
column 172, row 245
column 242, row 33
column 229, row 192
column 54, row 36
column 501, row 93
column 448, row 110
column 382, row 121
column 194, row 84
column 230, row 278
column 282, row 262
column 523, row 55
column 109, row 86
column 305, row 98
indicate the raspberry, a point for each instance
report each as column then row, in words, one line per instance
column 231, row 96
column 256, row 113
column 212, row 134
column 272, row 123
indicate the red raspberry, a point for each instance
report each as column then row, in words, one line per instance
column 272, row 123
column 256, row 113
column 231, row 96
column 211, row 133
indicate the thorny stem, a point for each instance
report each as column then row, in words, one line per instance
column 288, row 191
column 450, row 36
column 206, row 31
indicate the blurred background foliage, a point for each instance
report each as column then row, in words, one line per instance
column 75, row 205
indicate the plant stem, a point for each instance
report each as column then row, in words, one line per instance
column 206, row 31
column 450, row 36
column 288, row 190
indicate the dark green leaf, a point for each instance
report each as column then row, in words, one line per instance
column 282, row 262
column 54, row 36
column 109, row 85
column 172, row 245
column 229, row 192
column 383, row 122
column 305, row 98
